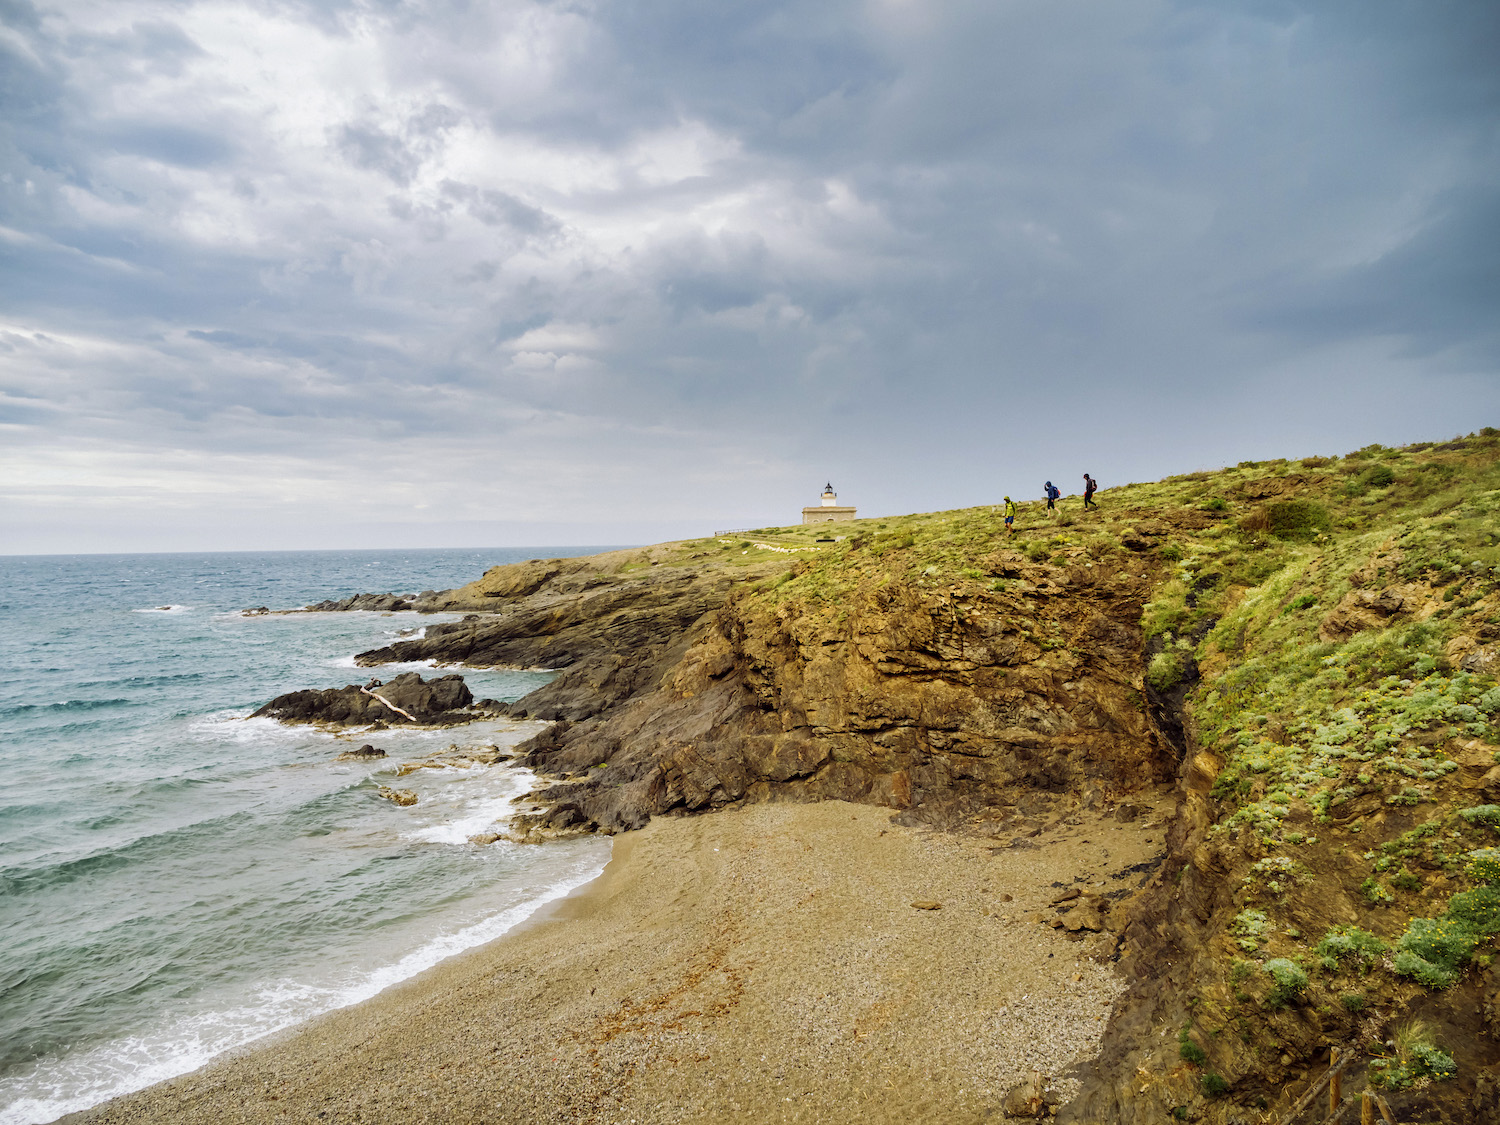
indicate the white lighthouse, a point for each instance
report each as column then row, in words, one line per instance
column 829, row 510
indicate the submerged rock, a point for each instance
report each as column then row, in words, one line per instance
column 402, row 797
column 378, row 603
column 365, row 753
column 404, row 701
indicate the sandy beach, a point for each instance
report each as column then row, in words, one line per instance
column 761, row 964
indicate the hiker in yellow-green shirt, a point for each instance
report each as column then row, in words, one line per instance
column 1010, row 515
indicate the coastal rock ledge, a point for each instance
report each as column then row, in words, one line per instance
column 443, row 701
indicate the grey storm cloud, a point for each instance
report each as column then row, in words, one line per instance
column 652, row 263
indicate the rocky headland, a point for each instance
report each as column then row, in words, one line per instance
column 1301, row 654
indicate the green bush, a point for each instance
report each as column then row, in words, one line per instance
column 1434, row 951
column 1297, row 519
column 1354, row 1001
column 1189, row 1051
column 1214, row 1085
column 1290, row 981
column 1215, row 504
column 1165, row 670
column 1251, row 927
column 1482, row 814
column 1418, row 1060
column 1478, row 909
column 1352, row 943
column 1484, row 866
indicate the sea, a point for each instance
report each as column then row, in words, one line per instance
column 178, row 879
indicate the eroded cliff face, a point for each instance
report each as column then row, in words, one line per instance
column 947, row 700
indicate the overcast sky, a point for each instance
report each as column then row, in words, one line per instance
column 370, row 273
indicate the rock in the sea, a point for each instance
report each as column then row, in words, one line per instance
column 485, row 838
column 378, row 603
column 406, row 699
column 365, row 753
column 402, row 797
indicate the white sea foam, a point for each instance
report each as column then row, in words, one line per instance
column 163, row 609
column 464, row 803
column 82, row 1079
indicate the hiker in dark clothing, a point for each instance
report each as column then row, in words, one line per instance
column 1090, row 486
column 1053, row 495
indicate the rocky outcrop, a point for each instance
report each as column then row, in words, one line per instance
column 405, row 700
column 948, row 702
column 378, row 603
column 609, row 634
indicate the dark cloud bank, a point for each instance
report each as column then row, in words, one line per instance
column 384, row 273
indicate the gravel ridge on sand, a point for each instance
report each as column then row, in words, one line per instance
column 762, row 964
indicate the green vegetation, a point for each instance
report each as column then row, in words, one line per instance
column 1189, row 1051
column 1333, row 622
column 1290, row 981
column 1418, row 1059
column 1351, row 946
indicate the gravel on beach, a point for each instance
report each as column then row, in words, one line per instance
column 763, row 964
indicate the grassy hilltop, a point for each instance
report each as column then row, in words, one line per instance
column 1328, row 632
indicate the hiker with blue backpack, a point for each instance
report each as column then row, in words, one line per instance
column 1054, row 494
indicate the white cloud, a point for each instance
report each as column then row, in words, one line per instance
column 627, row 261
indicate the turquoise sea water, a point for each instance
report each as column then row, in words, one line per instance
column 175, row 879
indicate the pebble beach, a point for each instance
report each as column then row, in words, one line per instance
column 761, row 964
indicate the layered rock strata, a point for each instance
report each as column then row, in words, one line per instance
column 685, row 690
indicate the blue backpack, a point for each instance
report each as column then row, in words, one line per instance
column 1052, row 491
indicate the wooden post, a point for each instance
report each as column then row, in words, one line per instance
column 1336, row 1083
column 1385, row 1110
column 1366, row 1109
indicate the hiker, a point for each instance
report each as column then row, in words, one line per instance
column 1053, row 495
column 1010, row 515
column 1090, row 486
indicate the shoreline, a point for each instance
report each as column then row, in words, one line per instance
column 753, row 964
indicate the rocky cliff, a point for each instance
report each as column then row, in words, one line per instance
column 1304, row 651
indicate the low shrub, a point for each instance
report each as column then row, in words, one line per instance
column 1484, row 866
column 1482, row 814
column 1165, row 670
column 1360, row 947
column 1251, row 927
column 1434, row 951
column 1189, row 1051
column 1478, row 909
column 1214, row 1085
column 1297, row 519
column 1418, row 1059
column 1290, row 981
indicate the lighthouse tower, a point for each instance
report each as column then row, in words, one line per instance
column 829, row 510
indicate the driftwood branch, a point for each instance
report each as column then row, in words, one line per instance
column 389, row 704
